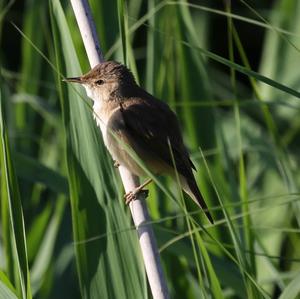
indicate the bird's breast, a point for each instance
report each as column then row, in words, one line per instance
column 102, row 113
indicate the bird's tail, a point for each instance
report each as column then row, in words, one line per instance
column 191, row 188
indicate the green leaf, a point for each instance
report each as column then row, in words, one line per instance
column 6, row 292
column 46, row 250
column 292, row 291
column 33, row 171
column 10, row 195
column 4, row 280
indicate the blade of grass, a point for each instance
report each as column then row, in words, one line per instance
column 214, row 285
column 6, row 292
column 292, row 291
column 45, row 254
column 7, row 283
column 31, row 68
column 33, row 171
column 251, row 286
column 248, row 236
column 122, row 29
column 10, row 194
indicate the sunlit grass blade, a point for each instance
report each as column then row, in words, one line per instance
column 10, row 195
column 209, row 276
column 6, row 292
column 7, row 288
column 251, row 286
column 292, row 291
column 215, row 284
column 45, row 253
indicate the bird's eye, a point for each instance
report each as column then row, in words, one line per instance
column 99, row 82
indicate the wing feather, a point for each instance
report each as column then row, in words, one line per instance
column 155, row 128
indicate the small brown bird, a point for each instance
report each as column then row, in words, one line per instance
column 125, row 110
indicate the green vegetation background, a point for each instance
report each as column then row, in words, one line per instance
column 231, row 73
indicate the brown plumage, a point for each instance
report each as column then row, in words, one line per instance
column 147, row 125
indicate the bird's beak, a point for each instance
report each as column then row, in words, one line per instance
column 74, row 80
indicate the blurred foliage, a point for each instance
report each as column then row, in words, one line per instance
column 230, row 71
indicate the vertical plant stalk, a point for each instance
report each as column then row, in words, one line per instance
column 138, row 207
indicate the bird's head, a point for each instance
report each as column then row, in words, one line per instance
column 105, row 80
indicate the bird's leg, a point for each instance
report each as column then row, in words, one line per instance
column 116, row 164
column 132, row 195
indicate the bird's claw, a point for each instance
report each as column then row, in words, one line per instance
column 132, row 195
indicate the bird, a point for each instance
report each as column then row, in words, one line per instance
column 129, row 116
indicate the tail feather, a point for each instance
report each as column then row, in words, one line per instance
column 194, row 192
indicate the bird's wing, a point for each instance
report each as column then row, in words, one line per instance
column 155, row 127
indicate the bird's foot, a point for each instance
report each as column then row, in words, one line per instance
column 116, row 164
column 132, row 195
